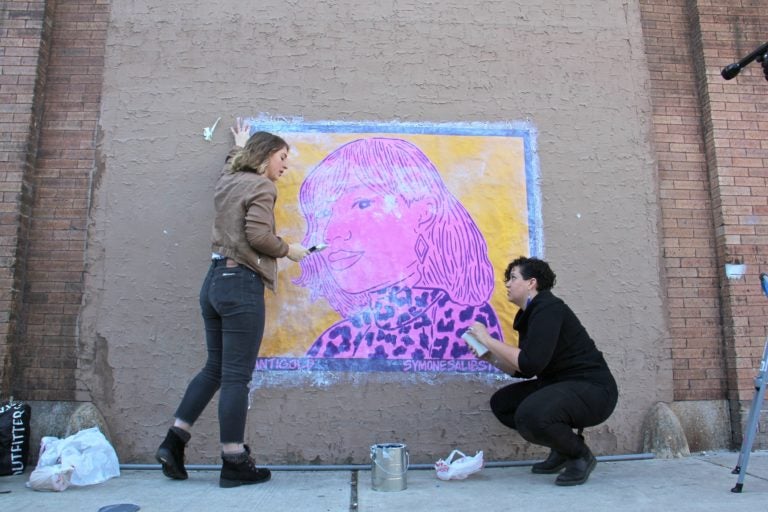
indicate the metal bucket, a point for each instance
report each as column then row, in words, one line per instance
column 389, row 464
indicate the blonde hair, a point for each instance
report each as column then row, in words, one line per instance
column 255, row 155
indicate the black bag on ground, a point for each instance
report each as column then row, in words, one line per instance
column 14, row 437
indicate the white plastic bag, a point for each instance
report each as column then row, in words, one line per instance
column 50, row 478
column 458, row 469
column 88, row 453
column 49, row 451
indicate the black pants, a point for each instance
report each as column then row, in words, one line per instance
column 232, row 303
column 546, row 414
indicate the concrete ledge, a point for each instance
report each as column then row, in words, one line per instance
column 663, row 434
column 61, row 419
column 706, row 423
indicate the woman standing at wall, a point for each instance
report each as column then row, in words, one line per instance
column 244, row 261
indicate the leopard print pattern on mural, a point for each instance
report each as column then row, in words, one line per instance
column 406, row 323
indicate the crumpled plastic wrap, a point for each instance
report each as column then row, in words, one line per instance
column 84, row 458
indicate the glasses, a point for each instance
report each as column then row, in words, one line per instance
column 513, row 277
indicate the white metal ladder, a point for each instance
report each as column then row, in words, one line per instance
column 754, row 409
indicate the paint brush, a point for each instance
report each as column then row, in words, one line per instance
column 318, row 247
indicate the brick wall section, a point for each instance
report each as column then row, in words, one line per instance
column 25, row 29
column 709, row 136
column 689, row 257
column 736, row 137
column 46, row 358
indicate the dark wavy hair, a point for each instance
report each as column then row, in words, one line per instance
column 255, row 155
column 533, row 267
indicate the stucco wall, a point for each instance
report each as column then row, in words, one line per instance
column 575, row 70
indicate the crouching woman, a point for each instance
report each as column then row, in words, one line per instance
column 573, row 388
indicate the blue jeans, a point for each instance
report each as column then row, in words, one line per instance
column 546, row 413
column 232, row 303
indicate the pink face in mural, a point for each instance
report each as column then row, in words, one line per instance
column 372, row 239
column 406, row 267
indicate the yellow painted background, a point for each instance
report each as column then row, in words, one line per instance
column 485, row 173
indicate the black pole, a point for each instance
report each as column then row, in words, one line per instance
column 731, row 70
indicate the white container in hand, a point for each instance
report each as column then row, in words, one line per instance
column 479, row 348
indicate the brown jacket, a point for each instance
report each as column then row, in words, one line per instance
column 244, row 221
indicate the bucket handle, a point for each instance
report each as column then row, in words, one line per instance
column 393, row 473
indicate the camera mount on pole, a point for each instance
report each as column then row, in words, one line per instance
column 760, row 54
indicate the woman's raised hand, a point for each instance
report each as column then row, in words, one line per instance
column 241, row 131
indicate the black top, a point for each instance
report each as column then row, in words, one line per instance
column 554, row 346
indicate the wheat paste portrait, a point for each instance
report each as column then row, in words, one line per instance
column 407, row 268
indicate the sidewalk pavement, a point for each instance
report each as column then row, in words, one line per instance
column 700, row 483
